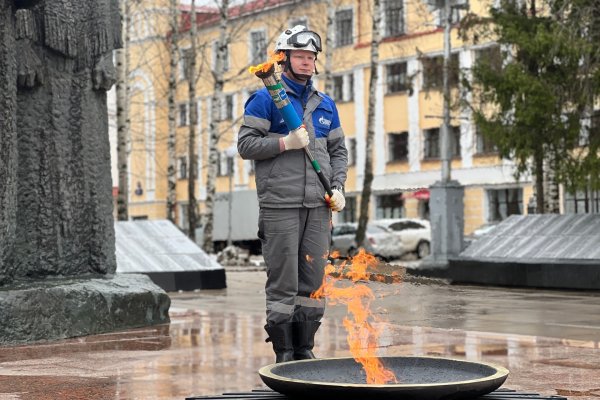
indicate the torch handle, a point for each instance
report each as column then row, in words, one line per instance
column 292, row 121
column 317, row 168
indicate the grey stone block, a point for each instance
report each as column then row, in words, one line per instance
column 53, row 309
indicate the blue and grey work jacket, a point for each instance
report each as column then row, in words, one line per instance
column 287, row 179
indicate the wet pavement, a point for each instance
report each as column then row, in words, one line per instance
column 549, row 340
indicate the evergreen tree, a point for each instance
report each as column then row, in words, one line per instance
column 534, row 104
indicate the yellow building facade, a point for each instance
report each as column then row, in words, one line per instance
column 407, row 117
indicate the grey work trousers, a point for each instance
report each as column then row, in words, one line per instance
column 295, row 245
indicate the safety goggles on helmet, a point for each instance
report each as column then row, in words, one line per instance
column 304, row 38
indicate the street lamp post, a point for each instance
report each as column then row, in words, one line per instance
column 446, row 199
column 230, row 153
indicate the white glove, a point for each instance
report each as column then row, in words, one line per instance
column 337, row 202
column 296, row 139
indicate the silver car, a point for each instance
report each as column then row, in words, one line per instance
column 380, row 241
column 415, row 234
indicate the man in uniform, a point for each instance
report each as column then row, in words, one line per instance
column 294, row 218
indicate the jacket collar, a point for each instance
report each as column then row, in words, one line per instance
column 297, row 88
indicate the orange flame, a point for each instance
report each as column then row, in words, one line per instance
column 362, row 334
column 266, row 66
column 309, row 258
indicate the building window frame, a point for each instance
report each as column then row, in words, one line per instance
column 397, row 146
column 396, row 77
column 584, row 201
column 257, row 51
column 483, row 144
column 348, row 214
column 351, row 147
column 504, row 202
column 394, row 18
column 431, row 147
column 182, row 167
column 344, row 27
column 433, row 71
column 214, row 52
column 389, row 205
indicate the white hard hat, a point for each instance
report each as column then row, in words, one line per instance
column 298, row 38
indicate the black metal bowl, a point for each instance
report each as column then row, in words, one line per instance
column 419, row 378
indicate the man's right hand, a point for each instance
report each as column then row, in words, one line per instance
column 296, row 139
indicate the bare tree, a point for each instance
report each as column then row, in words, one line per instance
column 122, row 89
column 329, row 47
column 215, row 111
column 172, row 110
column 193, row 107
column 368, row 174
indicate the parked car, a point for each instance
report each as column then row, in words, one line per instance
column 380, row 241
column 415, row 234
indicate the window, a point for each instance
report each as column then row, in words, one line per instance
column 343, row 28
column 490, row 56
column 349, row 94
column 183, row 120
column 258, row 46
column 185, row 63
column 224, row 164
column 394, row 17
column 343, row 87
column 389, row 206
column 344, row 230
column 432, row 144
column 405, row 225
column 215, row 52
column 591, row 134
column 582, row 202
column 484, row 144
column 351, row 147
column 433, row 72
column 182, row 167
column 338, row 88
column 455, row 16
column 455, row 141
column 503, row 203
column 348, row 214
column 396, row 78
column 398, row 146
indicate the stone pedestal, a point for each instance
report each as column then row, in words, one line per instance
column 447, row 222
column 54, row 308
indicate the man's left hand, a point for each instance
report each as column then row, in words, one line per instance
column 337, row 202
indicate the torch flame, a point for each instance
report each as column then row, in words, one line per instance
column 362, row 335
column 266, row 66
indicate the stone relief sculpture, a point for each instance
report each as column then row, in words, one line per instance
column 8, row 135
column 63, row 223
column 55, row 183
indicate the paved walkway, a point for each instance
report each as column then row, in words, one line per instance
column 549, row 340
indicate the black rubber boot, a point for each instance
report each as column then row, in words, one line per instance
column 281, row 337
column 304, row 339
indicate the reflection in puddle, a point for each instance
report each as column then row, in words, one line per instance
column 204, row 353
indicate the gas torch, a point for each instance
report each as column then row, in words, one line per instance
column 266, row 72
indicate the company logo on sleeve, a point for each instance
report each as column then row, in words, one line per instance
column 324, row 121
